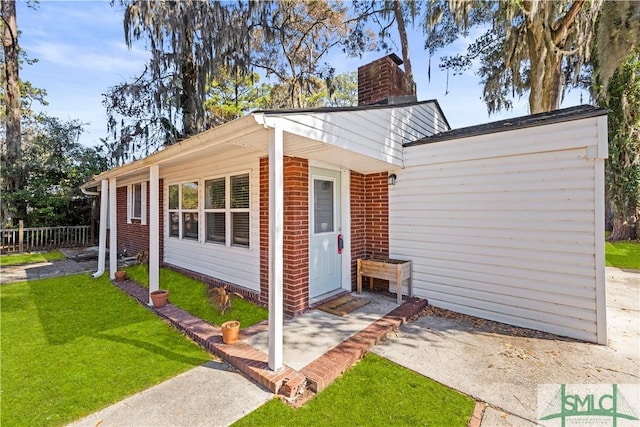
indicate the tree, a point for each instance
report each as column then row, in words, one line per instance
column 138, row 120
column 16, row 97
column 622, row 171
column 55, row 165
column 534, row 46
column 305, row 32
column 618, row 35
column 188, row 41
column 231, row 95
column 342, row 90
column 384, row 14
column 195, row 43
column 12, row 150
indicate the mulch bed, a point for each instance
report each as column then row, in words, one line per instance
column 489, row 325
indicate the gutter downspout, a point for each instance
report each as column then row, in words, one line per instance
column 89, row 193
column 102, row 239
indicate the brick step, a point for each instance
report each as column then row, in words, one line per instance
column 325, row 369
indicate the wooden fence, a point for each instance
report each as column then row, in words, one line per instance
column 43, row 238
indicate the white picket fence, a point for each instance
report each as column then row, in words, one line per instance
column 21, row 239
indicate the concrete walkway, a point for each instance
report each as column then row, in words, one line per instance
column 43, row 270
column 342, row 341
column 503, row 365
column 209, row 395
column 78, row 260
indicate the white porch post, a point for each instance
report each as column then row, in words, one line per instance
column 113, row 229
column 154, row 229
column 276, row 231
column 102, row 237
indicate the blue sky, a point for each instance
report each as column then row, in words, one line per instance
column 81, row 52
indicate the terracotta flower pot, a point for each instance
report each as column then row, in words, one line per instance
column 230, row 331
column 121, row 275
column 159, row 298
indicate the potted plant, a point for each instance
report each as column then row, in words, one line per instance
column 159, row 298
column 121, row 275
column 230, row 331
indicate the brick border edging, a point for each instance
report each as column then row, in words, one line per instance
column 243, row 357
column 316, row 376
column 478, row 413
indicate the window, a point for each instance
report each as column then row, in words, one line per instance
column 215, row 198
column 226, row 204
column 323, row 196
column 137, row 202
column 240, row 210
column 225, row 209
column 183, row 210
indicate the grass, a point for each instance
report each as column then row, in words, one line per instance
column 72, row 345
column 623, row 254
column 375, row 392
column 30, row 258
column 191, row 295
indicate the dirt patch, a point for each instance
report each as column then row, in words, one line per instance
column 491, row 326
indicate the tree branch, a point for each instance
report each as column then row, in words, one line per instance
column 559, row 34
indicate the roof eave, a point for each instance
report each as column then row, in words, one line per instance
column 557, row 116
column 211, row 137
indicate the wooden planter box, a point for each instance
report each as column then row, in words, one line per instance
column 393, row 270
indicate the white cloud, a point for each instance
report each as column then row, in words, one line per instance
column 89, row 58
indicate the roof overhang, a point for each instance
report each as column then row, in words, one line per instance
column 364, row 139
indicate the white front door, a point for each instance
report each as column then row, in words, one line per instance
column 325, row 227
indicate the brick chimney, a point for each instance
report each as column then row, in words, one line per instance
column 383, row 82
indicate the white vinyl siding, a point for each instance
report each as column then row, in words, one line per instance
column 502, row 226
column 377, row 133
column 236, row 264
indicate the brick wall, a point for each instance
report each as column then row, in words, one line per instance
column 377, row 214
column 296, row 234
column 383, row 79
column 377, row 220
column 358, row 221
column 134, row 237
column 369, row 219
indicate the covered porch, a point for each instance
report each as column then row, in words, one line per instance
column 268, row 139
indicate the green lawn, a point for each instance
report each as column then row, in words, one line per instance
column 28, row 258
column 191, row 295
column 73, row 345
column 623, row 254
column 375, row 392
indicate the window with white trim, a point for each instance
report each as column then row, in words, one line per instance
column 183, row 210
column 137, row 202
column 224, row 205
column 227, row 210
column 215, row 204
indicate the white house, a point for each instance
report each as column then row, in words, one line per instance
column 503, row 221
